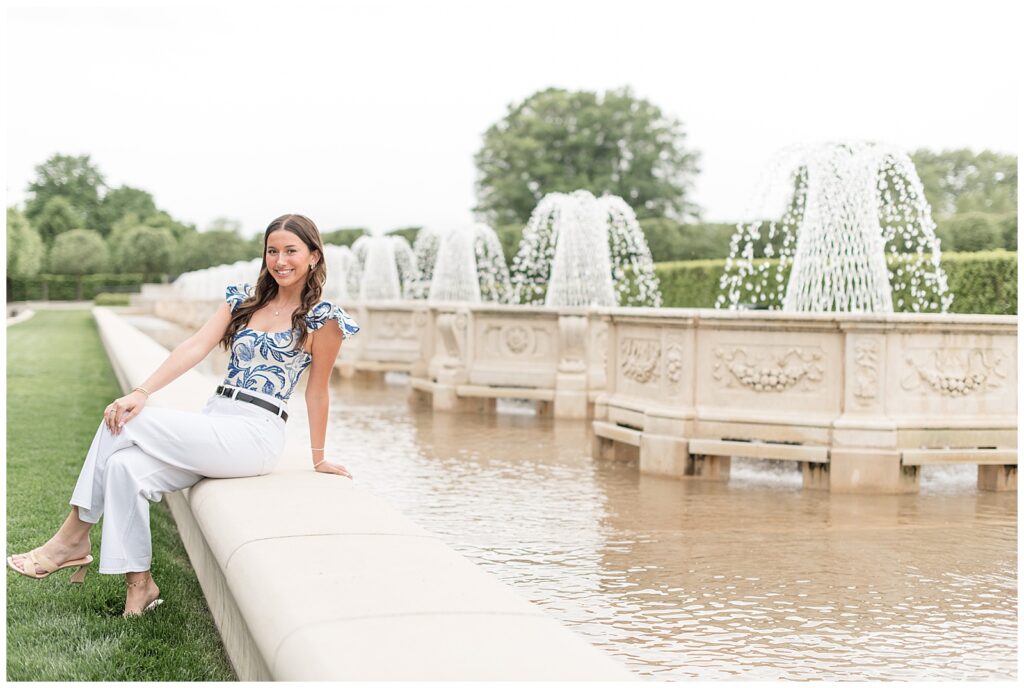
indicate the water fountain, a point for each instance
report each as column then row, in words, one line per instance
column 343, row 273
column 463, row 264
column 387, row 267
column 209, row 283
column 424, row 250
column 839, row 209
column 578, row 250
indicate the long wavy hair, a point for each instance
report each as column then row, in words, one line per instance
column 266, row 285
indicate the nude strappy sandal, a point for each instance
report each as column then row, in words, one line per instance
column 36, row 558
column 152, row 605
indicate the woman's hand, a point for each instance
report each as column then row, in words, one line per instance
column 335, row 468
column 122, row 410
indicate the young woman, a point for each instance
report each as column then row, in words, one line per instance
column 275, row 331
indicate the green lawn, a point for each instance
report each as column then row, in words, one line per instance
column 58, row 381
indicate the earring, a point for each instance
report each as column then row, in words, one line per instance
column 312, row 266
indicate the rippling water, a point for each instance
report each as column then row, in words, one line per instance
column 754, row 579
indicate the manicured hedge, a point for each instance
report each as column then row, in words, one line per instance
column 667, row 239
column 689, row 283
column 65, row 287
column 112, row 299
column 984, row 282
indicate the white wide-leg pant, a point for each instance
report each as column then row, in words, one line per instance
column 162, row 450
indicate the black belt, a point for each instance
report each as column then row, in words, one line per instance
column 239, row 395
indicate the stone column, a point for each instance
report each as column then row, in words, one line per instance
column 423, row 322
column 452, row 364
column 865, row 458
column 571, row 378
column 665, row 449
column 997, row 478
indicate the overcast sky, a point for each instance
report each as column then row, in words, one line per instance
column 369, row 113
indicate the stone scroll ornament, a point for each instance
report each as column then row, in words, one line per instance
column 768, row 370
column 954, row 372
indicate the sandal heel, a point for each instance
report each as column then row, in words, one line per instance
column 79, row 575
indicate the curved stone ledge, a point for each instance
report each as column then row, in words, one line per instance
column 21, row 315
column 311, row 577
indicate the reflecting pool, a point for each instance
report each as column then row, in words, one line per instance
column 754, row 579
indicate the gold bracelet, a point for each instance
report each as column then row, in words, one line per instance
column 140, row 389
column 317, row 448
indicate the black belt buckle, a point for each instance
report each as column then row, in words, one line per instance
column 239, row 395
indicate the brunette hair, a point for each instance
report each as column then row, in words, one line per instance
column 266, row 285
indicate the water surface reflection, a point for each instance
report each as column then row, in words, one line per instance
column 754, row 579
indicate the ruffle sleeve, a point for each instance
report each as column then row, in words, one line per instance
column 236, row 294
column 324, row 311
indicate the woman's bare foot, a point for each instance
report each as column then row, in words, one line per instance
column 142, row 591
column 59, row 551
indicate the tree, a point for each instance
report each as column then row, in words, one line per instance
column 961, row 181
column 558, row 140
column 145, row 249
column 79, row 252
column 254, row 247
column 25, row 249
column 73, row 178
column 1008, row 226
column 160, row 220
column 974, row 232
column 163, row 220
column 408, row 232
column 345, row 236
column 57, row 217
column 119, row 202
column 214, row 247
column 226, row 223
column 670, row 240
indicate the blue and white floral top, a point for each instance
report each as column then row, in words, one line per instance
column 268, row 362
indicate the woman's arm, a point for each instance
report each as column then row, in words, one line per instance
column 326, row 344
column 184, row 357
column 191, row 351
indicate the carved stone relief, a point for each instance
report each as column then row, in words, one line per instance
column 395, row 326
column 514, row 340
column 674, row 363
column 639, row 359
column 955, row 372
column 865, row 374
column 517, row 338
column 768, row 369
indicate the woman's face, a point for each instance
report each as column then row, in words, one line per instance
column 288, row 257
